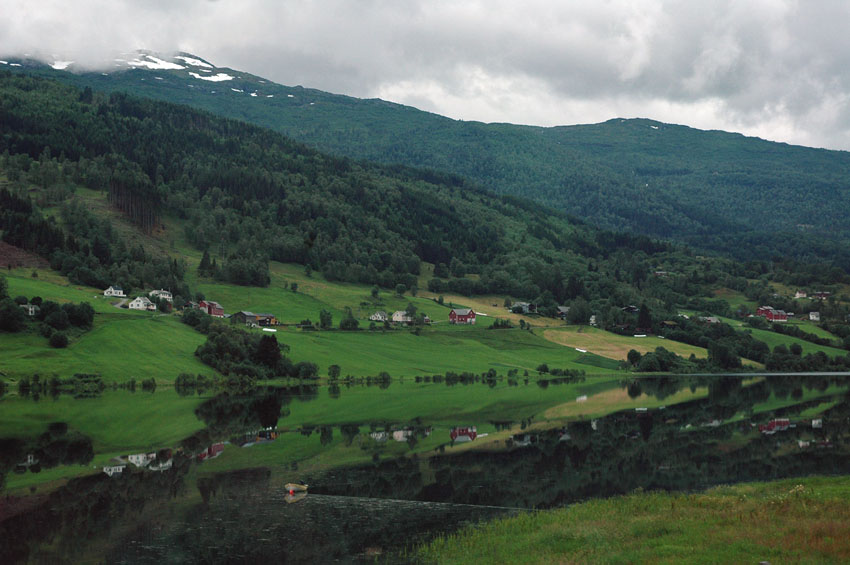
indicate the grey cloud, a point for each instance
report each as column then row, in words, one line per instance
column 775, row 68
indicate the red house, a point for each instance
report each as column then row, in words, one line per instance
column 461, row 316
column 772, row 314
column 212, row 308
column 468, row 433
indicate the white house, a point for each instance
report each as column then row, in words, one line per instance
column 814, row 316
column 379, row 316
column 115, row 291
column 141, row 303
column 800, row 294
column 141, row 459
column 30, row 309
column 401, row 317
column 592, row 320
column 161, row 294
column 113, row 469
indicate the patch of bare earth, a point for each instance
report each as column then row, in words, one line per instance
column 17, row 257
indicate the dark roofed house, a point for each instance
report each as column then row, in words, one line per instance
column 245, row 317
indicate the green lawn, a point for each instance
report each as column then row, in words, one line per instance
column 435, row 350
column 772, row 339
column 800, row 520
column 120, row 346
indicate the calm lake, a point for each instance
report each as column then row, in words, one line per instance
column 140, row 477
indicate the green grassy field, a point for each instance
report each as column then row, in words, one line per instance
column 120, row 346
column 772, row 339
column 801, row 520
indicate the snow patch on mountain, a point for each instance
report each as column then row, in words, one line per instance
column 61, row 65
column 154, row 63
column 214, row 78
column 236, row 90
column 192, row 61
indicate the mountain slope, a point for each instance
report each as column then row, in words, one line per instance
column 247, row 195
column 744, row 196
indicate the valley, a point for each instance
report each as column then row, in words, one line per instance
column 600, row 363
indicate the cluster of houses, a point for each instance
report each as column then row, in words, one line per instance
column 140, row 302
column 819, row 295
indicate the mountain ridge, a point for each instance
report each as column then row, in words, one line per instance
column 707, row 188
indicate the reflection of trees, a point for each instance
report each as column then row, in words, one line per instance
column 52, row 448
column 678, row 448
column 67, row 521
column 229, row 413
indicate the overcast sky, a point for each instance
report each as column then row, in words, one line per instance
column 774, row 69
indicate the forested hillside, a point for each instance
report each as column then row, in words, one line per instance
column 247, row 195
column 745, row 197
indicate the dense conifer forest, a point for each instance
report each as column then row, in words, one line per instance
column 748, row 198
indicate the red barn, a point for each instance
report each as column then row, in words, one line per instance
column 772, row 314
column 211, row 308
column 462, row 316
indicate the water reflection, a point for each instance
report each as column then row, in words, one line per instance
column 245, row 517
column 742, row 429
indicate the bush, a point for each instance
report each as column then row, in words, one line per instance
column 59, row 340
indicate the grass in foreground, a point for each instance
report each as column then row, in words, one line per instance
column 799, row 520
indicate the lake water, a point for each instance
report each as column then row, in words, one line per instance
column 383, row 484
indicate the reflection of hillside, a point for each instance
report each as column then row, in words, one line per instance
column 681, row 447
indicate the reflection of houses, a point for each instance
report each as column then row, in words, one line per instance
column 462, row 316
column 406, row 434
column 161, row 465
column 463, row 434
column 114, row 469
column 379, row 437
column 817, row 423
column 161, row 294
column 116, row 291
column 775, row 425
column 523, row 440
column 261, row 436
column 141, row 303
column 379, row 316
column 211, row 452
column 141, row 459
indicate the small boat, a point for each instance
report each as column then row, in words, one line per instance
column 292, row 488
column 296, row 497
